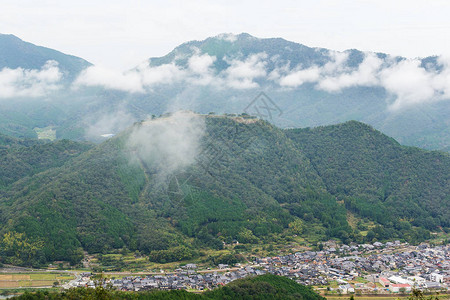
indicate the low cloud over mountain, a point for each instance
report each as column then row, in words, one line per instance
column 405, row 98
column 30, row 83
column 406, row 80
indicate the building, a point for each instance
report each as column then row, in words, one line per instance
column 346, row 289
column 384, row 282
column 435, row 277
column 396, row 288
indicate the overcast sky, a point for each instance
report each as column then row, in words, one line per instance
column 120, row 34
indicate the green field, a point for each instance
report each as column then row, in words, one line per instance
column 11, row 281
column 47, row 133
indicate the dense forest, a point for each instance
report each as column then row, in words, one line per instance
column 249, row 182
column 260, row 287
column 377, row 178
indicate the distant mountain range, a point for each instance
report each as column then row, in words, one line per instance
column 404, row 98
column 183, row 182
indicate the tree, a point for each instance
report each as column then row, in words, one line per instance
column 17, row 249
column 296, row 226
column 370, row 236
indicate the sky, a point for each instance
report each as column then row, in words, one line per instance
column 121, row 34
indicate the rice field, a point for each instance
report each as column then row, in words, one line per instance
column 11, row 281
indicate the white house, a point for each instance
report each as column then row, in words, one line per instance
column 436, row 277
column 346, row 289
column 395, row 288
column 399, row 280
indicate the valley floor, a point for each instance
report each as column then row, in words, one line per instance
column 376, row 270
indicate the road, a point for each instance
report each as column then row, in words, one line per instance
column 72, row 282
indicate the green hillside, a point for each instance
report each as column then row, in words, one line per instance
column 7, row 142
column 249, row 181
column 377, row 177
column 20, row 158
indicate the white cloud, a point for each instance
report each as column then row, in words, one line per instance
column 201, row 64
column 134, row 81
column 406, row 81
column 168, row 144
column 300, row 77
column 199, row 71
column 163, row 74
column 442, row 82
column 111, row 79
column 337, row 62
column 365, row 75
column 106, row 124
column 241, row 74
column 30, row 83
column 410, row 83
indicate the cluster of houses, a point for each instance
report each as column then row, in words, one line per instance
column 381, row 268
column 186, row 278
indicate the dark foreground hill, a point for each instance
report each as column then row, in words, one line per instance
column 184, row 182
column 260, row 287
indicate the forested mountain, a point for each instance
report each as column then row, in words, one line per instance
column 21, row 158
column 183, row 182
column 376, row 176
column 223, row 74
column 7, row 142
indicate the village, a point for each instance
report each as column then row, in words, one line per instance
column 376, row 268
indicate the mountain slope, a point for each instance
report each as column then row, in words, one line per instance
column 7, row 142
column 166, row 188
column 27, row 159
column 116, row 204
column 15, row 53
column 376, row 176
